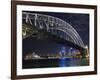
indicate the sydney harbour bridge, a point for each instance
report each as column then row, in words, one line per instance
column 56, row 28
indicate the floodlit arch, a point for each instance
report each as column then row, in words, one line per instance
column 53, row 25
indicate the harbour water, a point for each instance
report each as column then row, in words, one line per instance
column 49, row 63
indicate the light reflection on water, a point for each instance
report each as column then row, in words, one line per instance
column 63, row 62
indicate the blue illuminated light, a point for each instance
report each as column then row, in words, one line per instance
column 63, row 51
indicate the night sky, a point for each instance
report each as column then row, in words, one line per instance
column 80, row 22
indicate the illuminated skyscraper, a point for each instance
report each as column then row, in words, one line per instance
column 63, row 52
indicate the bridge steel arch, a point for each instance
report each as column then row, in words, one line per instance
column 53, row 25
